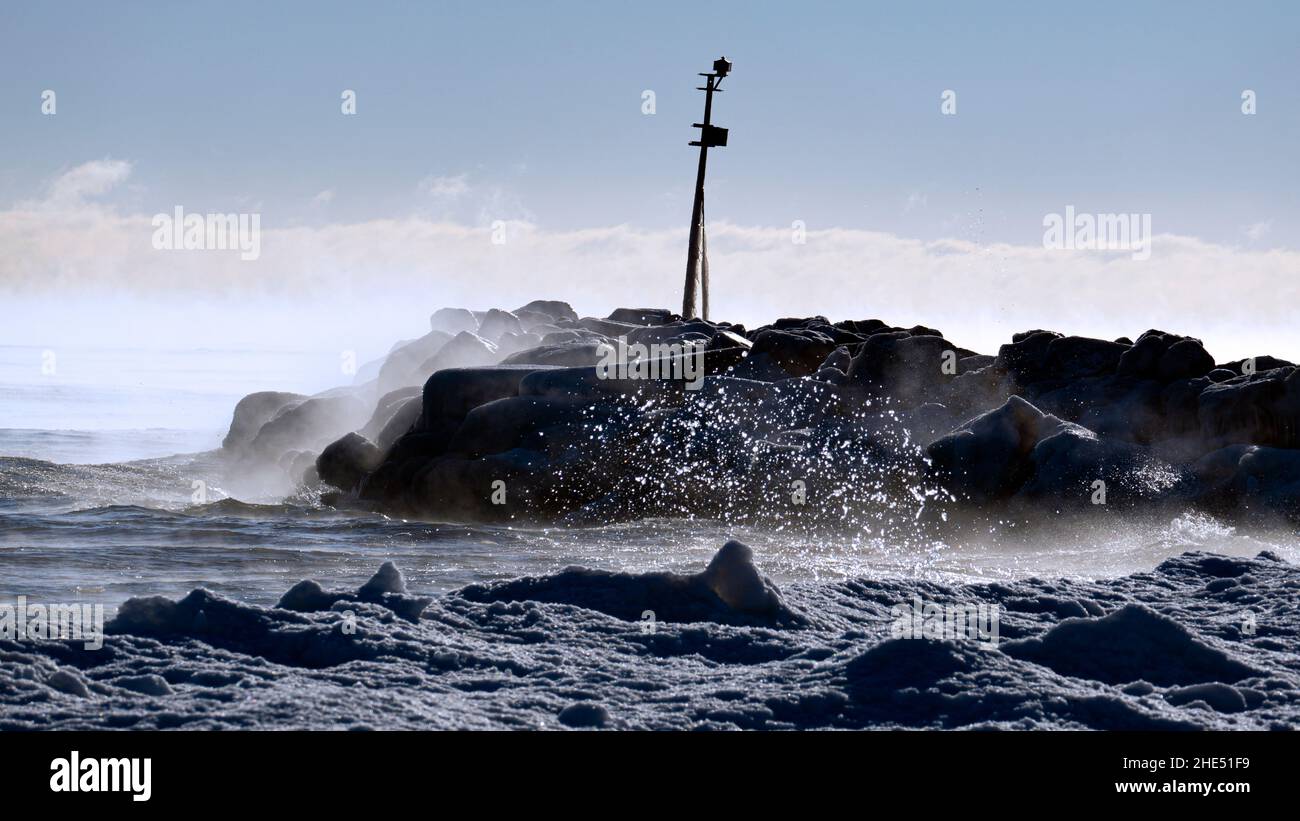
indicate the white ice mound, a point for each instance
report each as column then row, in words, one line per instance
column 386, row 588
column 733, row 576
column 387, row 580
column 1132, row 643
column 731, row 590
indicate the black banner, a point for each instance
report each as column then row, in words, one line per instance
column 135, row 772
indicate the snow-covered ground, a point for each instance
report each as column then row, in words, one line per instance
column 1202, row 641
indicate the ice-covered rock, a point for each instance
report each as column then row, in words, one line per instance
column 642, row 316
column 553, row 308
column 1165, row 357
column 387, row 580
column 1259, row 409
column 496, row 323
column 732, row 575
column 386, row 588
column 452, row 321
column 308, row 425
column 150, row 685
column 254, row 411
column 1130, row 644
column 66, row 681
column 344, row 462
column 990, row 456
column 585, row 714
column 729, row 590
column 404, row 366
column 906, row 368
column 800, row 399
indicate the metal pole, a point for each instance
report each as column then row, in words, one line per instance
column 704, row 266
column 694, row 279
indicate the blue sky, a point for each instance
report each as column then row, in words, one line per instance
column 531, row 113
column 834, row 110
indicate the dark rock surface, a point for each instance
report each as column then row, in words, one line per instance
column 254, row 411
column 867, row 414
column 345, row 462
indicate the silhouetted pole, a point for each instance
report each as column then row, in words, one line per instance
column 697, row 263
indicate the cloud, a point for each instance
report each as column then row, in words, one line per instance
column 92, row 179
column 76, row 187
column 323, row 198
column 1259, row 230
column 1240, row 300
column 915, row 199
column 445, row 187
column 455, row 199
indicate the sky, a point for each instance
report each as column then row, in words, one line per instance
column 534, row 116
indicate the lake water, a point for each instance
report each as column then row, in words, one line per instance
column 100, row 451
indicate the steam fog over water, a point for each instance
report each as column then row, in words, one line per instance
column 99, row 459
column 81, row 405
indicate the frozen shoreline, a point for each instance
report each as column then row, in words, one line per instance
column 1176, row 648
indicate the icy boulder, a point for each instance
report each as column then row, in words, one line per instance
column 989, row 457
column 254, row 411
column 731, row 590
column 309, row 425
column 554, row 309
column 402, row 367
column 733, row 576
column 328, row 629
column 347, row 460
column 453, row 321
column 1132, row 643
column 386, row 588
